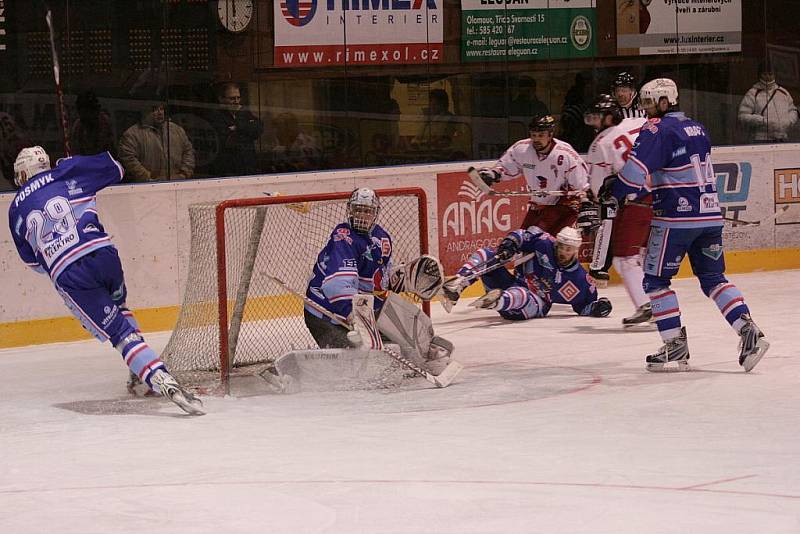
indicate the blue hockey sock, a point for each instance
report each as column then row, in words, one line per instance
column 666, row 312
column 139, row 357
column 730, row 302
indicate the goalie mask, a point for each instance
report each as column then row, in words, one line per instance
column 30, row 162
column 568, row 242
column 362, row 210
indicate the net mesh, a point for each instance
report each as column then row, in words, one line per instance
column 265, row 321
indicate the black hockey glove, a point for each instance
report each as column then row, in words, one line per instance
column 608, row 208
column 588, row 216
column 600, row 308
column 605, row 189
column 489, row 176
column 507, row 248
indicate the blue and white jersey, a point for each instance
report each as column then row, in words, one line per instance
column 552, row 282
column 53, row 218
column 350, row 263
column 675, row 152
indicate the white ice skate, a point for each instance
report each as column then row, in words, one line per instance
column 752, row 345
column 674, row 351
column 169, row 387
column 642, row 316
column 451, row 290
column 490, row 301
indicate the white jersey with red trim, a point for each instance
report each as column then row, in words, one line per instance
column 609, row 150
column 562, row 169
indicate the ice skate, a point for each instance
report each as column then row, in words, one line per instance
column 166, row 384
column 642, row 315
column 675, row 351
column 138, row 388
column 489, row 301
column 451, row 290
column 752, row 344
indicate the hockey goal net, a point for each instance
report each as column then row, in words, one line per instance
column 235, row 320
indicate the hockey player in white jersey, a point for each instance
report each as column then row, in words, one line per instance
column 621, row 235
column 548, row 164
column 606, row 156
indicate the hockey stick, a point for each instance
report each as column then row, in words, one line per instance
column 483, row 268
column 472, row 172
column 739, row 222
column 57, row 75
column 441, row 380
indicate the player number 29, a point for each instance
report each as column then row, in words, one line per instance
column 58, row 212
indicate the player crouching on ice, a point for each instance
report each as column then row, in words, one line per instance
column 56, row 229
column 547, row 273
column 351, row 284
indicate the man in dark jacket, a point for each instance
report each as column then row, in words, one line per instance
column 237, row 130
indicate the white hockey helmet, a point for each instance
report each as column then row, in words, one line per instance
column 362, row 210
column 568, row 242
column 569, row 236
column 653, row 91
column 30, row 162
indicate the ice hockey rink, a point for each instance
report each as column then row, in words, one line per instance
column 554, row 426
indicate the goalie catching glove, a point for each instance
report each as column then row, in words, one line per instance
column 422, row 276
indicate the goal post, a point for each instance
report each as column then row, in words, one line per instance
column 234, row 321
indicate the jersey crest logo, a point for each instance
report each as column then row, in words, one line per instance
column 542, row 182
column 343, row 234
column 714, row 251
column 386, row 246
column 569, row 291
column 72, row 187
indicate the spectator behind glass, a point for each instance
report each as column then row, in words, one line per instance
column 526, row 103
column 573, row 129
column 237, row 130
column 767, row 110
column 91, row 133
column 156, row 149
column 439, row 128
column 295, row 150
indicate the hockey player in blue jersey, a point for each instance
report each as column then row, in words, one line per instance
column 675, row 152
column 56, row 230
column 358, row 259
column 550, row 275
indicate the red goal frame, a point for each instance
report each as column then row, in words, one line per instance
column 222, row 279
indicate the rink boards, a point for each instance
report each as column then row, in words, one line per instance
column 150, row 226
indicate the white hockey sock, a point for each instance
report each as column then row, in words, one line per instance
column 630, row 269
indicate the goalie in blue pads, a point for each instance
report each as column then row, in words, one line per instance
column 357, row 259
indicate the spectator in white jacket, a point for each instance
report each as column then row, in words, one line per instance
column 767, row 110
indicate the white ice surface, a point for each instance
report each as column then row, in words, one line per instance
column 554, row 426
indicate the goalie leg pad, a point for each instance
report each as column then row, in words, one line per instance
column 363, row 320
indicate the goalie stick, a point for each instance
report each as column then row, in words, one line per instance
column 442, row 380
column 473, row 174
column 739, row 222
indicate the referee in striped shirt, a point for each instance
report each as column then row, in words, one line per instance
column 624, row 90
